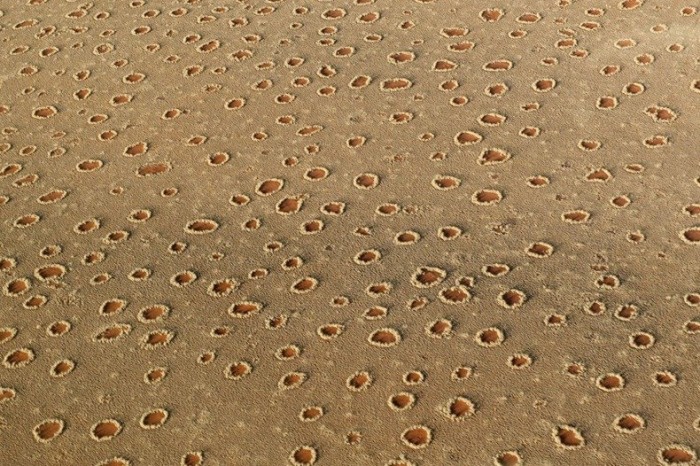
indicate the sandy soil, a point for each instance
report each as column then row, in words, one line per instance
column 424, row 232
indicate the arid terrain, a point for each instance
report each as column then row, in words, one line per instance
column 369, row 232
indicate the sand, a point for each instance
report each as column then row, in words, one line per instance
column 352, row 232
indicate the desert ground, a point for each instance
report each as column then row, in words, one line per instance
column 369, row 232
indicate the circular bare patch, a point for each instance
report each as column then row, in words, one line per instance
column 489, row 337
column 508, row 458
column 292, row 380
column 105, row 430
column 487, row 197
column 303, row 455
column 665, row 379
column 691, row 235
column 154, row 418
column 676, row 454
column 157, row 339
column 62, row 368
column 417, row 437
column 629, row 423
column 401, row 401
column 359, row 381
column 642, row 340
column 221, row 288
column 495, row 270
column 368, row 256
column 457, row 294
column 468, row 138
column 304, row 285
column 384, row 337
column 238, row 370
column 201, row 226
column 18, row 358
column 512, row 299
column 330, row 331
column 426, row 277
column 458, row 408
column 568, row 437
column 48, row 430
column 610, row 382
column 445, row 182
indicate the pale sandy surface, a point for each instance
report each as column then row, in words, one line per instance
column 560, row 210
